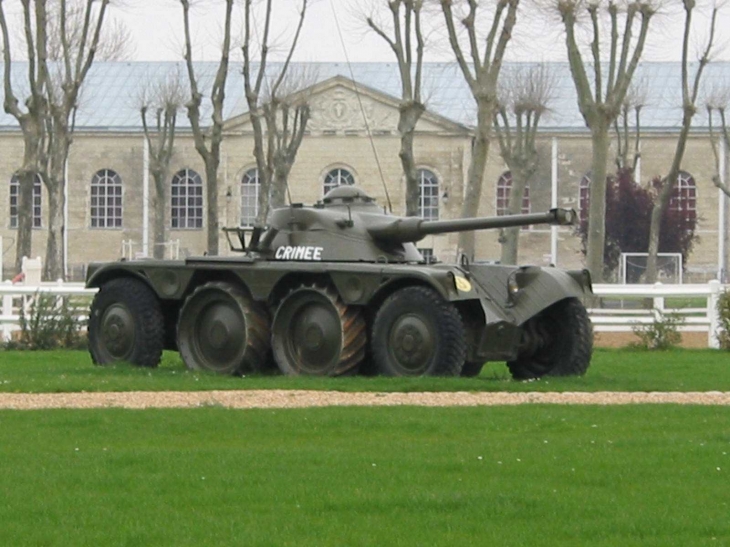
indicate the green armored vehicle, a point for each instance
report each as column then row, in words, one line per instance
column 340, row 287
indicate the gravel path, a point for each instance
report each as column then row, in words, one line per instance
column 301, row 399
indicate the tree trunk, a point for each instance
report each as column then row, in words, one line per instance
column 211, row 190
column 277, row 196
column 510, row 236
column 53, row 267
column 597, row 209
column 409, row 116
column 662, row 200
column 475, row 177
column 159, row 206
column 24, row 243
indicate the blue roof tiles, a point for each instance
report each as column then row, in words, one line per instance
column 110, row 97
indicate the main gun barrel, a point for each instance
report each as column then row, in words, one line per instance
column 414, row 229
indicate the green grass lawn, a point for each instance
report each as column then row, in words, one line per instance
column 532, row 475
column 612, row 370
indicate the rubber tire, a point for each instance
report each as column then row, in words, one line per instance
column 472, row 369
column 443, row 322
column 142, row 304
column 352, row 325
column 569, row 350
column 256, row 335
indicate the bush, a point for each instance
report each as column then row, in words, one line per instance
column 50, row 322
column 723, row 310
column 662, row 333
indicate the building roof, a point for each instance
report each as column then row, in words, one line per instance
column 110, row 95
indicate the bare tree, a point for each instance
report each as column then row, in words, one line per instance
column 208, row 140
column 162, row 100
column 601, row 94
column 717, row 103
column 278, row 111
column 77, row 52
column 690, row 92
column 31, row 119
column 627, row 156
column 61, row 44
column 523, row 99
column 400, row 34
column 480, row 66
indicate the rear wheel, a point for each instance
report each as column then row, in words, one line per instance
column 126, row 324
column 221, row 329
column 418, row 333
column 557, row 342
column 314, row 333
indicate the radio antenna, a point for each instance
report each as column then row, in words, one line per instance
column 362, row 109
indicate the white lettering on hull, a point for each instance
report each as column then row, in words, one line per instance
column 300, row 252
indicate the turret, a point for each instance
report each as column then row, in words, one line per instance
column 348, row 226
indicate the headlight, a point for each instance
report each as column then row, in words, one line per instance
column 462, row 284
column 512, row 286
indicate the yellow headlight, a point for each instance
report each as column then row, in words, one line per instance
column 462, row 284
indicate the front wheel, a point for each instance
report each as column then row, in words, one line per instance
column 418, row 333
column 126, row 324
column 556, row 342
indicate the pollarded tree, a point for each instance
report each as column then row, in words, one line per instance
column 601, row 83
column 404, row 35
column 524, row 98
column 277, row 107
column 162, row 101
column 77, row 28
column 690, row 93
column 30, row 118
column 717, row 105
column 208, row 140
column 480, row 57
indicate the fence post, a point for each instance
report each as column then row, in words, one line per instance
column 713, row 314
column 7, row 313
column 658, row 303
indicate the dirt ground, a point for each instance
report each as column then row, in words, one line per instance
column 302, row 399
column 623, row 339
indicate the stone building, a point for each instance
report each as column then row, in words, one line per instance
column 352, row 138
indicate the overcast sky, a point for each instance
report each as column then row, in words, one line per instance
column 156, row 30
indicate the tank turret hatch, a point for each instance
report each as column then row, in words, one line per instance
column 346, row 195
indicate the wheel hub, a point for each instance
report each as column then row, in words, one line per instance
column 218, row 334
column 314, row 337
column 412, row 342
column 117, row 331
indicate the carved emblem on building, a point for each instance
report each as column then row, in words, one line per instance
column 339, row 110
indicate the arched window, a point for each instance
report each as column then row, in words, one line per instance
column 106, row 199
column 428, row 199
column 504, row 187
column 684, row 196
column 584, row 195
column 187, row 200
column 15, row 200
column 337, row 177
column 250, row 185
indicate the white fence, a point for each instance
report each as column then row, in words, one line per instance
column 621, row 305
column 15, row 297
